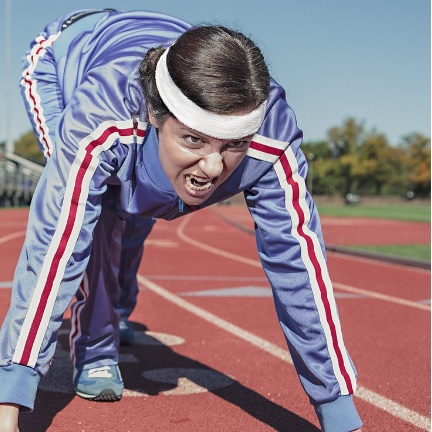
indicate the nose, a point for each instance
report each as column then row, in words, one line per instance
column 211, row 165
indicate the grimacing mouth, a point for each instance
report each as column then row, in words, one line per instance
column 198, row 183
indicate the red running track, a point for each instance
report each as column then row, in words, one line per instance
column 210, row 355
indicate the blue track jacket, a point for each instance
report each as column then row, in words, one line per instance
column 102, row 138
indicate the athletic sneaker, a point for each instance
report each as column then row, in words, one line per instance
column 127, row 334
column 102, row 384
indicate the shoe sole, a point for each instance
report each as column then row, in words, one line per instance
column 104, row 396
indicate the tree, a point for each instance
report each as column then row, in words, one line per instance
column 346, row 142
column 27, row 147
column 417, row 162
column 326, row 178
column 396, row 183
column 346, row 139
column 375, row 166
column 354, row 159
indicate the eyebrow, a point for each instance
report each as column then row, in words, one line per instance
column 184, row 128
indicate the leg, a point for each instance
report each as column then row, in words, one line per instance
column 94, row 337
column 136, row 231
column 40, row 87
column 107, row 294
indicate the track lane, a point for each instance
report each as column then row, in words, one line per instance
column 224, row 353
column 424, row 350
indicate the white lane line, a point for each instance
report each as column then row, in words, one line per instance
column 394, row 409
column 209, row 278
column 211, row 249
column 341, row 256
column 245, row 228
column 12, row 236
column 379, row 296
column 256, row 263
column 391, row 407
column 278, row 352
column 5, row 239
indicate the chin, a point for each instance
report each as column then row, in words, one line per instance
column 194, row 201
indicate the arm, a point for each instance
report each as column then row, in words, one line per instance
column 52, row 262
column 291, row 249
column 63, row 214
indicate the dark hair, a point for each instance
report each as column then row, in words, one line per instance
column 219, row 69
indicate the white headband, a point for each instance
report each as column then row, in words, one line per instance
column 206, row 122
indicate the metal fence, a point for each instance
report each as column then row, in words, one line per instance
column 18, row 179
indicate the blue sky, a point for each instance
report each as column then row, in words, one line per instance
column 367, row 59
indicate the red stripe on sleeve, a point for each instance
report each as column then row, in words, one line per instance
column 265, row 148
column 65, row 237
column 317, row 268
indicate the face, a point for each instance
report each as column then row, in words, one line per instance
column 197, row 164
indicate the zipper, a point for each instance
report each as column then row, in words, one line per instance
column 180, row 205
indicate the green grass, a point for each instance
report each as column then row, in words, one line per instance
column 415, row 251
column 414, row 212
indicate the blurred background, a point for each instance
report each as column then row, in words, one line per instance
column 357, row 74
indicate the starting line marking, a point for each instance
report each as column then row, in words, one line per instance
column 182, row 381
column 387, row 405
column 174, row 381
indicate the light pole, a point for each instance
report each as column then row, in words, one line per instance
column 8, row 72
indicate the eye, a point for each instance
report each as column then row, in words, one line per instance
column 193, row 140
column 238, row 145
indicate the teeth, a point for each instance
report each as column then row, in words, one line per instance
column 197, row 183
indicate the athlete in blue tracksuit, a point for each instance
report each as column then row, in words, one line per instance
column 105, row 179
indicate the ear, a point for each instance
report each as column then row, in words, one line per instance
column 151, row 117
